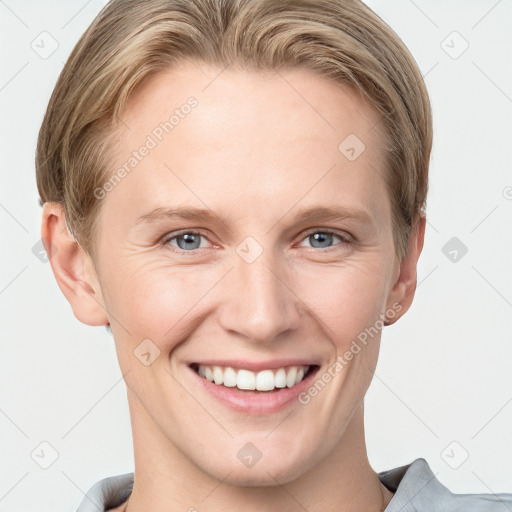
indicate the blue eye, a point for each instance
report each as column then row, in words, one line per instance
column 190, row 241
column 186, row 241
column 324, row 239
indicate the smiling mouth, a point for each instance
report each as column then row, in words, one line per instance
column 270, row 380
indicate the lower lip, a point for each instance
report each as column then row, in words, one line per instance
column 256, row 402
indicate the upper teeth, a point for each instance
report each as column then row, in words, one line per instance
column 266, row 380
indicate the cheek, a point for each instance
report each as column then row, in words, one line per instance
column 155, row 300
column 346, row 299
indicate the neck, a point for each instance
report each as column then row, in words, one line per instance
column 167, row 481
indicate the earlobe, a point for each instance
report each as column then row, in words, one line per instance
column 72, row 267
column 405, row 286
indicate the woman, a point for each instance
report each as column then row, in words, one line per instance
column 237, row 189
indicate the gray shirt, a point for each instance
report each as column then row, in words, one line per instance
column 415, row 486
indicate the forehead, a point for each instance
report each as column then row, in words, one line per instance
column 232, row 99
column 270, row 137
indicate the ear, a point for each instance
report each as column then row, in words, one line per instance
column 72, row 267
column 405, row 286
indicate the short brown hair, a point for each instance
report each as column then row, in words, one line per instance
column 129, row 40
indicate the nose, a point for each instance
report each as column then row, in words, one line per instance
column 259, row 302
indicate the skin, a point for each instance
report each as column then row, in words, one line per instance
column 256, row 149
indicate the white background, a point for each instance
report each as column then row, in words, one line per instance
column 444, row 373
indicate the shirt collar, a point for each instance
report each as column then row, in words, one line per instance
column 414, row 485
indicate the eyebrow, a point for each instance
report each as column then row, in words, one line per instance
column 187, row 213
column 311, row 214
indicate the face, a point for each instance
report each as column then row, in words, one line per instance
column 282, row 256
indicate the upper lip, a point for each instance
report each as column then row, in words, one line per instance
column 257, row 366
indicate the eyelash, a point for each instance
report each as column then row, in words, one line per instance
column 345, row 239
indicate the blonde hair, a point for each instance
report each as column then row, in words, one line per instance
column 130, row 40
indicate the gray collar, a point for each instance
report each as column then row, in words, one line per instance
column 413, row 485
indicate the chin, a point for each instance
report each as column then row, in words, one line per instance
column 264, row 477
column 269, row 471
